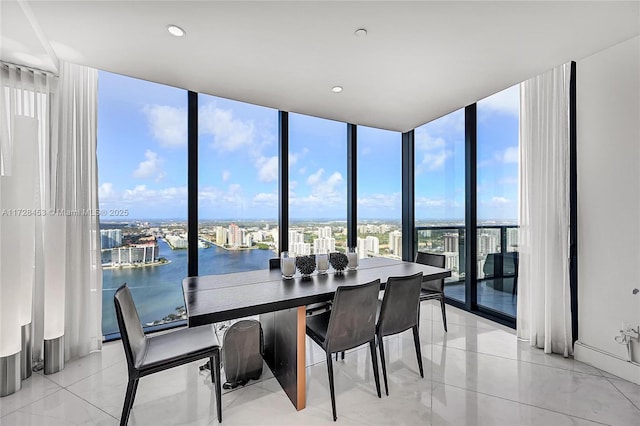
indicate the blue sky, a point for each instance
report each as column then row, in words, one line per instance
column 142, row 159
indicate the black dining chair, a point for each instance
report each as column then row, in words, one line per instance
column 398, row 313
column 313, row 308
column 350, row 323
column 434, row 289
column 151, row 354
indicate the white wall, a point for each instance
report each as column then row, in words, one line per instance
column 608, row 150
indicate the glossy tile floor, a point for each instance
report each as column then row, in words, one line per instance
column 477, row 373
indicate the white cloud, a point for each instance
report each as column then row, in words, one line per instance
column 314, row 178
column 167, row 124
column 334, row 180
column 433, row 161
column 323, row 192
column 511, row 155
column 425, row 142
column 140, row 194
column 105, row 191
column 430, row 202
column 150, row 168
column 499, row 201
column 226, row 174
column 265, row 199
column 504, row 102
column 229, row 133
column 387, row 201
column 434, row 149
column 267, row 169
column 302, row 170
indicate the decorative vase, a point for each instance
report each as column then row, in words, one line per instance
column 306, row 265
column 352, row 257
column 287, row 265
column 322, row 259
column 339, row 261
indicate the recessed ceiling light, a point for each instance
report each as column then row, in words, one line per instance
column 360, row 32
column 336, row 89
column 175, row 30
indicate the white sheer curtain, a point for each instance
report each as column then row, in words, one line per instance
column 544, row 314
column 74, row 187
column 25, row 96
column 65, row 196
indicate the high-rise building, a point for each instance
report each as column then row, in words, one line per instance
column 235, row 235
column 295, row 237
column 512, row 239
column 324, row 232
column 372, row 245
column 300, row 249
column 487, row 243
column 452, row 261
column 324, row 245
column 221, row 235
column 395, row 243
column 362, row 248
column 451, row 243
column 110, row 238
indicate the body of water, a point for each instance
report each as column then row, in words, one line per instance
column 157, row 290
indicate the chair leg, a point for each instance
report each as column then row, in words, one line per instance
column 384, row 364
column 342, row 356
column 331, row 388
column 374, row 359
column 416, row 341
column 132, row 386
column 215, row 376
column 444, row 313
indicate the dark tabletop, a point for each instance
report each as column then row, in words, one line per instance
column 215, row 298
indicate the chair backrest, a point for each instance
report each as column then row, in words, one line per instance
column 431, row 259
column 353, row 316
column 491, row 265
column 133, row 337
column 399, row 310
column 274, row 263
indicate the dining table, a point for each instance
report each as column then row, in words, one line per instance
column 281, row 306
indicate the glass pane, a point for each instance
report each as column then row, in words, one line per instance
column 498, row 160
column 238, row 186
column 440, row 195
column 142, row 164
column 379, row 193
column 317, row 185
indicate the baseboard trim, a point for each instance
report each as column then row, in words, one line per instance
column 607, row 362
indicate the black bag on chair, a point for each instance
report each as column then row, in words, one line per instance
column 242, row 349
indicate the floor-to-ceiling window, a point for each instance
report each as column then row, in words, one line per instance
column 440, row 195
column 379, row 157
column 237, row 185
column 142, row 163
column 317, row 185
column 497, row 200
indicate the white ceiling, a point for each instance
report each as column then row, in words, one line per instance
column 419, row 61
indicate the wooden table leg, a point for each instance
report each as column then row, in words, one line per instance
column 284, row 346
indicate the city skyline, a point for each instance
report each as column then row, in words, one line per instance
column 142, row 130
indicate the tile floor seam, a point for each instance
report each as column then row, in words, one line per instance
column 519, row 402
column 622, row 393
column 32, row 402
column 522, row 360
column 93, row 405
column 84, row 378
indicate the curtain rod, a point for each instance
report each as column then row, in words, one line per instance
column 6, row 65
